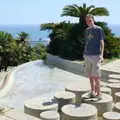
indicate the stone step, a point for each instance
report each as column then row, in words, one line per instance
column 64, row 98
column 37, row 105
column 117, row 97
column 102, row 105
column 82, row 112
column 103, row 84
column 50, row 115
column 113, row 67
column 115, row 87
column 115, row 76
column 105, row 90
column 111, row 116
column 78, row 91
column 116, row 107
column 113, row 81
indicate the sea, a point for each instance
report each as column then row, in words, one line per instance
column 35, row 34
column 38, row 36
column 115, row 29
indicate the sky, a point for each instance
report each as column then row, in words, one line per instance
column 45, row 11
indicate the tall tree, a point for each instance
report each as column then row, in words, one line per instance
column 81, row 12
column 23, row 37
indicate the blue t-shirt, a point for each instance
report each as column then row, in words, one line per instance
column 93, row 35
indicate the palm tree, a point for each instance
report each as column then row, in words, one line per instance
column 23, row 36
column 81, row 12
column 59, row 30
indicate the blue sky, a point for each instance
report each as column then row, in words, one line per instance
column 44, row 11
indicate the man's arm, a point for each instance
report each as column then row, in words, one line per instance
column 102, row 49
column 101, row 38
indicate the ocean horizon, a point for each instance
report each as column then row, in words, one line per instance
column 115, row 29
column 33, row 30
column 36, row 35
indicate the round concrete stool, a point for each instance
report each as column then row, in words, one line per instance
column 113, row 81
column 115, row 76
column 64, row 98
column 37, row 105
column 117, row 107
column 105, row 90
column 103, row 84
column 111, row 116
column 103, row 105
column 115, row 87
column 50, row 115
column 82, row 112
column 117, row 97
column 75, row 88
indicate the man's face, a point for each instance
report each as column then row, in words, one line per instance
column 89, row 21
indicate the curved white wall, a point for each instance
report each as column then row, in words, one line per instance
column 9, row 80
column 71, row 66
column 8, row 83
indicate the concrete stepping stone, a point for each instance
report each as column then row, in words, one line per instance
column 50, row 115
column 37, row 105
column 111, row 116
column 105, row 90
column 103, row 84
column 16, row 115
column 116, row 76
column 117, row 97
column 64, row 98
column 113, row 81
column 82, row 112
column 77, row 90
column 115, row 87
column 102, row 105
column 117, row 107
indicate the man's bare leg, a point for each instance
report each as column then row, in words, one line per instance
column 97, row 85
column 92, row 83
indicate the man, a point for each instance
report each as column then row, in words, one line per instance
column 93, row 54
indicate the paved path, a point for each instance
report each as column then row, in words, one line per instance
column 64, row 77
column 70, row 78
column 111, row 66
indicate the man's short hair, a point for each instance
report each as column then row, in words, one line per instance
column 90, row 16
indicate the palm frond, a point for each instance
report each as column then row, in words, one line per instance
column 89, row 8
column 71, row 10
column 100, row 11
column 48, row 26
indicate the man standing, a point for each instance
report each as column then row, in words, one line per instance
column 93, row 54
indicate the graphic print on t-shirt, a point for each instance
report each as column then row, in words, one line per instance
column 90, row 36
